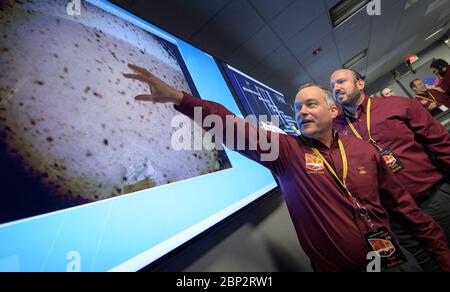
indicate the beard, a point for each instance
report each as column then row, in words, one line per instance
column 352, row 98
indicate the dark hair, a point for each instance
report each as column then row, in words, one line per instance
column 412, row 85
column 438, row 64
column 356, row 74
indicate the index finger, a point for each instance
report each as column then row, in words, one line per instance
column 140, row 70
column 138, row 77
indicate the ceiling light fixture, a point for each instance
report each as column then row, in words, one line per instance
column 345, row 9
column 434, row 34
column 356, row 59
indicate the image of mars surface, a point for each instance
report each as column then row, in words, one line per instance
column 70, row 129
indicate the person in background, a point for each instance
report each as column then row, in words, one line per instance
column 332, row 183
column 406, row 135
column 433, row 100
column 387, row 92
column 441, row 70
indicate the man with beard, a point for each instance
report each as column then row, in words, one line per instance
column 332, row 184
column 406, row 135
column 441, row 69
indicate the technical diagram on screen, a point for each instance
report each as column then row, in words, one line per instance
column 260, row 100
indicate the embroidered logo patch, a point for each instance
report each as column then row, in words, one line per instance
column 390, row 160
column 362, row 170
column 383, row 247
column 314, row 163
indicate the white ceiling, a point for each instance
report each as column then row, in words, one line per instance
column 273, row 40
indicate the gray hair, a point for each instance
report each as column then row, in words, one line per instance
column 326, row 93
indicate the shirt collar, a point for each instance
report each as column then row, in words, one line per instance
column 319, row 145
column 362, row 108
column 423, row 94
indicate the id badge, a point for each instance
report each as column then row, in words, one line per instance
column 392, row 160
column 383, row 243
column 443, row 108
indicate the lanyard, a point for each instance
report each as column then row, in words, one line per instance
column 428, row 99
column 363, row 212
column 371, row 139
column 369, row 105
column 342, row 181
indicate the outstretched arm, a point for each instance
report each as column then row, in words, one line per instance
column 255, row 143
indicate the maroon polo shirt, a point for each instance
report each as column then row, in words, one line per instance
column 326, row 221
column 411, row 132
column 432, row 96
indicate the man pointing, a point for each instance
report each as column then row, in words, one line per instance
column 331, row 183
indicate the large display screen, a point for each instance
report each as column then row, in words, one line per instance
column 261, row 100
column 90, row 178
